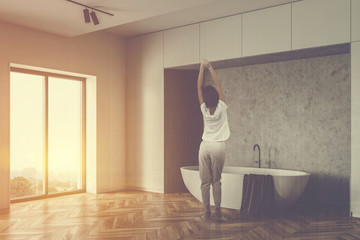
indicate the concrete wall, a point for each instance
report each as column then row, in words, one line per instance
column 299, row 113
column 97, row 54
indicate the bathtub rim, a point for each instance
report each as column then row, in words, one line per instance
column 269, row 171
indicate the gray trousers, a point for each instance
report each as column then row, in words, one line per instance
column 211, row 163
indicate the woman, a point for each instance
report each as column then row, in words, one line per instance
column 216, row 132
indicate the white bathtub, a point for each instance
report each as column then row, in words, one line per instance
column 289, row 185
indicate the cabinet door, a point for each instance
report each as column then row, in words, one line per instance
column 320, row 22
column 267, row 31
column 355, row 130
column 355, row 20
column 181, row 46
column 221, row 38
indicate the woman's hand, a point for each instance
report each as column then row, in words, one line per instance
column 205, row 63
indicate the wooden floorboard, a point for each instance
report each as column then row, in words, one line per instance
column 143, row 215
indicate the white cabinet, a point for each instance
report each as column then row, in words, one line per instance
column 144, row 115
column 181, row 46
column 355, row 20
column 355, row 130
column 320, row 22
column 221, row 38
column 267, row 31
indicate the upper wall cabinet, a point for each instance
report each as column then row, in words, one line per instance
column 181, row 46
column 320, row 22
column 267, row 30
column 355, row 20
column 221, row 38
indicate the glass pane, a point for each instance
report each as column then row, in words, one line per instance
column 65, row 135
column 27, row 135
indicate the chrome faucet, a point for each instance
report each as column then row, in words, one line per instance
column 256, row 145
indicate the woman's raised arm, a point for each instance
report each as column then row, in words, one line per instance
column 217, row 82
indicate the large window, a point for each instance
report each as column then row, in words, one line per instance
column 47, row 134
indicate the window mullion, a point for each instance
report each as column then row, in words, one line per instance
column 46, row 180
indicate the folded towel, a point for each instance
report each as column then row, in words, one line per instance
column 257, row 195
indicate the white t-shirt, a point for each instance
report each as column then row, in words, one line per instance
column 216, row 126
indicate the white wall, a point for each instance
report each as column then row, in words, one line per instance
column 96, row 54
column 355, row 109
column 355, row 129
column 145, row 113
column 91, row 164
column 355, row 20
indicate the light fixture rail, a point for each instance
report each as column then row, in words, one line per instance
column 95, row 9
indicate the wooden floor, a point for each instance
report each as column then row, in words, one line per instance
column 142, row 215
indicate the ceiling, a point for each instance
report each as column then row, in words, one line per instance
column 131, row 17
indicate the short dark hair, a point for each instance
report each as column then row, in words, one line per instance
column 211, row 96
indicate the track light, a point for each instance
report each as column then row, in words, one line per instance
column 86, row 15
column 92, row 14
column 94, row 18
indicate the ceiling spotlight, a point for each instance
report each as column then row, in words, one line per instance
column 86, row 15
column 92, row 14
column 94, row 18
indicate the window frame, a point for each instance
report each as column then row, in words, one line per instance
column 46, row 76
